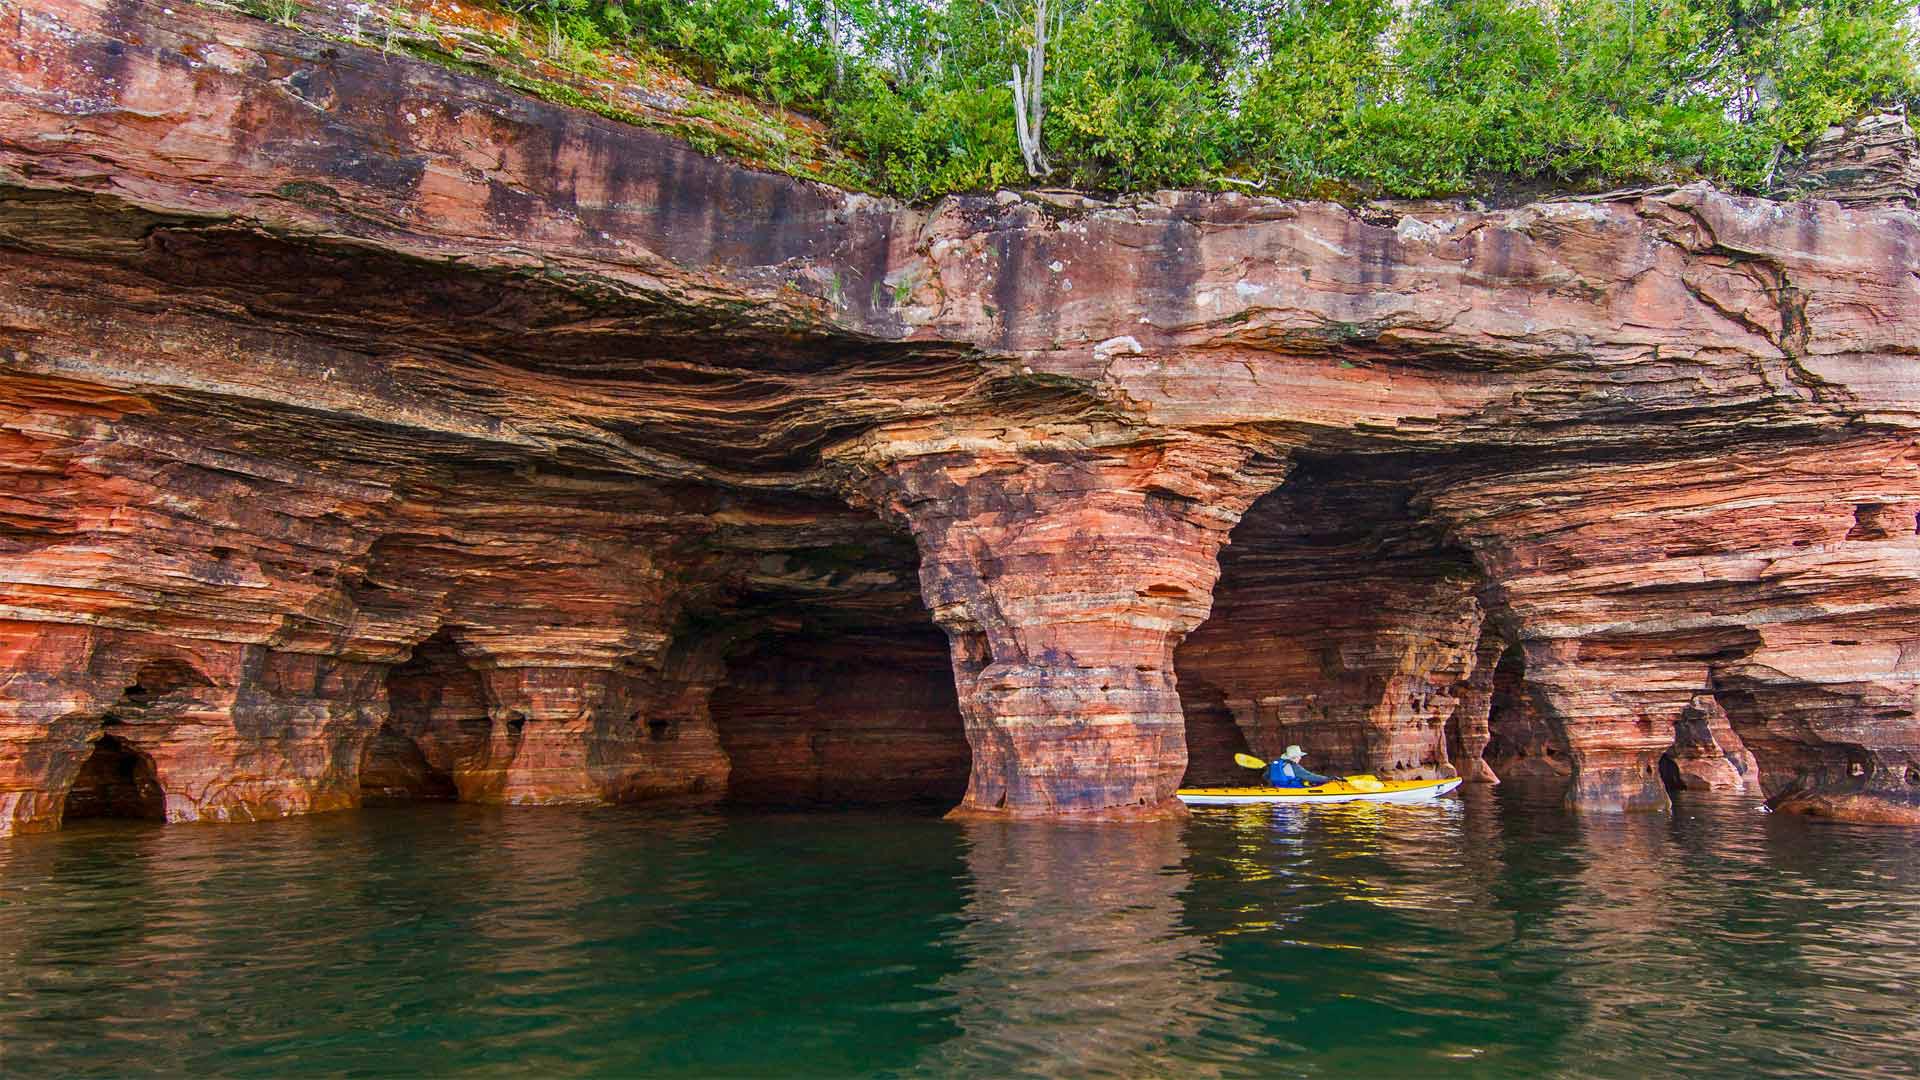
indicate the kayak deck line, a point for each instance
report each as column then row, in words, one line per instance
column 1390, row 791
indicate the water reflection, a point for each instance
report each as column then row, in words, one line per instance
column 1367, row 923
column 1771, row 946
column 1497, row 936
column 1078, row 958
column 61, row 962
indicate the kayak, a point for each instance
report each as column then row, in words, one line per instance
column 1389, row 791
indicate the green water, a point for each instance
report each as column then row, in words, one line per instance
column 1498, row 936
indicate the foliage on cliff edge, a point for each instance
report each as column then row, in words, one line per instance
column 1323, row 97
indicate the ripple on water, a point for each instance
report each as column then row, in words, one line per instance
column 1489, row 937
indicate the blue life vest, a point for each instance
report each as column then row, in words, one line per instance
column 1285, row 774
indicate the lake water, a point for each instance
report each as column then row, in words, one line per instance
column 1493, row 936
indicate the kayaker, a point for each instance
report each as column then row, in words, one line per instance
column 1288, row 772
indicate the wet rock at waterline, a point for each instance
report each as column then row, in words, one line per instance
column 370, row 431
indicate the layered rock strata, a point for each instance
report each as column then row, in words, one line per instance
column 1874, row 161
column 1735, row 608
column 812, row 714
column 1522, row 742
column 1064, row 575
column 1344, row 623
column 369, row 430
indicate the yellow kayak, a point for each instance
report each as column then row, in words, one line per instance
column 1387, row 791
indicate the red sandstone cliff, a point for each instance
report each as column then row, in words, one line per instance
column 368, row 430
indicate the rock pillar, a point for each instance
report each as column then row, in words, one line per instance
column 555, row 676
column 1469, row 729
column 1064, row 575
column 590, row 736
column 1707, row 755
column 1618, row 714
column 463, row 726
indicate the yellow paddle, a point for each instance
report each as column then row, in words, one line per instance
column 1361, row 781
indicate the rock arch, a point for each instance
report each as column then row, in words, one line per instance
column 1344, row 621
column 437, row 739
column 1524, row 742
column 116, row 780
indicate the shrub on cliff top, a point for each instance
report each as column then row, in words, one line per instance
column 1402, row 97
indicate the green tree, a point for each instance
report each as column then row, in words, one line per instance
column 1334, row 97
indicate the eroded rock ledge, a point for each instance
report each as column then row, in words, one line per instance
column 369, row 431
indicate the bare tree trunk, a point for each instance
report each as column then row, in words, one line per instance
column 1029, row 108
column 833, row 41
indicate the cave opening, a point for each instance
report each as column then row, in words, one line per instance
column 1523, row 743
column 116, row 781
column 819, row 710
column 436, row 717
column 158, row 678
column 1344, row 620
column 1670, row 777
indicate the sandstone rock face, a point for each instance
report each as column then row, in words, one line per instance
column 1064, row 575
column 1345, row 624
column 369, row 431
column 1734, row 607
column 809, row 715
column 1874, row 161
column 1523, row 743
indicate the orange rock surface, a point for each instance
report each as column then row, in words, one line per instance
column 370, row 431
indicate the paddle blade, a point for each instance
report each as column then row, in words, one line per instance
column 1249, row 761
column 1366, row 783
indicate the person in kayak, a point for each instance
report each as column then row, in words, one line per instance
column 1288, row 772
